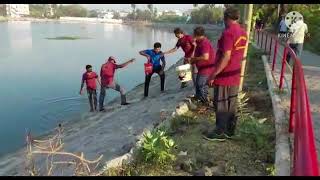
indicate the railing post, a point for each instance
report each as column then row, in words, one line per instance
column 270, row 48
column 275, row 54
column 265, row 44
column 305, row 160
column 261, row 39
column 283, row 67
column 293, row 99
column 258, row 42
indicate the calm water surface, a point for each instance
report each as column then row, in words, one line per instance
column 41, row 78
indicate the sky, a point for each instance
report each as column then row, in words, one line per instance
column 160, row 7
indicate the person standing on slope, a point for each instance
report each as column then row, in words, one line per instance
column 107, row 80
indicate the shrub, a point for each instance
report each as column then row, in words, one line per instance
column 157, row 147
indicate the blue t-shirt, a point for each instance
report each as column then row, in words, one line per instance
column 155, row 57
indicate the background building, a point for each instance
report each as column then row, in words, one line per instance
column 17, row 10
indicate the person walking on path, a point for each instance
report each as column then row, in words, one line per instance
column 226, row 77
column 107, row 80
column 296, row 39
column 154, row 56
column 187, row 44
column 283, row 29
column 204, row 57
column 90, row 78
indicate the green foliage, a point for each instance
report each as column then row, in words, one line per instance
column 171, row 19
column 3, row 11
column 253, row 129
column 116, row 15
column 140, row 15
column 93, row 13
column 310, row 12
column 207, row 14
column 271, row 170
column 157, row 147
column 73, row 11
column 42, row 10
column 242, row 106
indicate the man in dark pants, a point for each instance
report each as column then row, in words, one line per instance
column 226, row 77
column 154, row 56
column 204, row 57
column 107, row 72
column 90, row 78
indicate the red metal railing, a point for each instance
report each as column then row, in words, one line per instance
column 305, row 160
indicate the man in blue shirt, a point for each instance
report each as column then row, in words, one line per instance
column 154, row 56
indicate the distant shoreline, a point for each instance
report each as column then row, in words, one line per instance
column 134, row 23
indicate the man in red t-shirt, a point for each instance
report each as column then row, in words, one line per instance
column 203, row 59
column 107, row 80
column 226, row 77
column 187, row 44
column 90, row 77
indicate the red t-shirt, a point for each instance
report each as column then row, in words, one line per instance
column 186, row 44
column 107, row 73
column 205, row 67
column 90, row 79
column 233, row 38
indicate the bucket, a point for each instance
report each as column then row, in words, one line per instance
column 148, row 68
column 184, row 72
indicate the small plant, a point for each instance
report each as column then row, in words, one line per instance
column 157, row 147
column 271, row 170
column 242, row 106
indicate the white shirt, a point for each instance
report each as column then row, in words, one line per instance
column 299, row 29
column 283, row 26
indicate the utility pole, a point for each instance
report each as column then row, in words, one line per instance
column 248, row 16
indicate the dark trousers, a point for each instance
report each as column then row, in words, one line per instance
column 202, row 88
column 226, row 103
column 92, row 95
column 297, row 48
column 114, row 86
column 148, row 78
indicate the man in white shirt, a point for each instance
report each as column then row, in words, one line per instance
column 296, row 40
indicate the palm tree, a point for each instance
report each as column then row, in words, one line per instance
column 150, row 7
column 133, row 6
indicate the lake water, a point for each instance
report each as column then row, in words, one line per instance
column 41, row 78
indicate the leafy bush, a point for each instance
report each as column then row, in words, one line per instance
column 157, row 147
column 242, row 106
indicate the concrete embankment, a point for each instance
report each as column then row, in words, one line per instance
column 115, row 132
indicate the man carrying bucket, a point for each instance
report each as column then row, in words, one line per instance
column 154, row 66
column 204, row 57
column 187, row 44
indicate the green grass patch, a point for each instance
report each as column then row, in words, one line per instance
column 280, row 91
column 68, row 38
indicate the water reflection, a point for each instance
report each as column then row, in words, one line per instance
column 42, row 77
column 20, row 35
column 108, row 29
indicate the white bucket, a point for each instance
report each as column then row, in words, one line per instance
column 184, row 72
